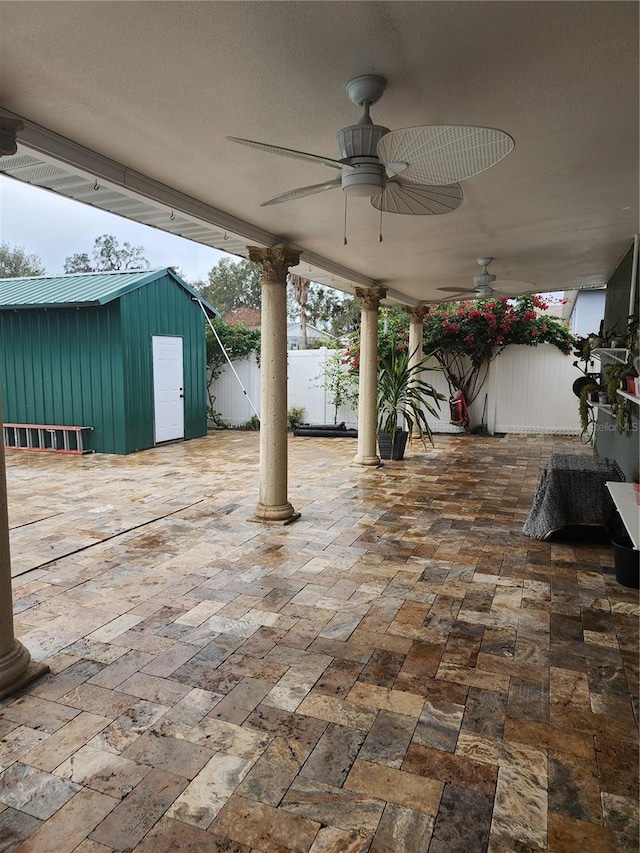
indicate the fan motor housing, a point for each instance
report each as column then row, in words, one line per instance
column 485, row 280
column 484, row 291
column 367, row 178
column 360, row 140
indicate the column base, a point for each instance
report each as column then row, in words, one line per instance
column 16, row 670
column 367, row 461
column 282, row 514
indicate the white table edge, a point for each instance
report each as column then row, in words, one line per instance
column 624, row 499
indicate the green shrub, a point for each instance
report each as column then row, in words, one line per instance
column 253, row 423
column 295, row 415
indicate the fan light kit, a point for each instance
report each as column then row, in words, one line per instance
column 414, row 170
column 483, row 286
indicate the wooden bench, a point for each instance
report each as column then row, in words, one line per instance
column 52, row 438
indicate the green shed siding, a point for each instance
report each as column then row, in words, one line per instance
column 161, row 308
column 64, row 366
column 76, row 350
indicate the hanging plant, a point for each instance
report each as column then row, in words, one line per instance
column 583, row 406
column 612, row 374
column 623, row 415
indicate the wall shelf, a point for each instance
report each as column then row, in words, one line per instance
column 603, row 407
column 618, row 355
column 628, row 396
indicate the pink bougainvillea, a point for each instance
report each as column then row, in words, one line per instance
column 465, row 337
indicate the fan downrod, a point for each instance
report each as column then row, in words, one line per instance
column 366, row 89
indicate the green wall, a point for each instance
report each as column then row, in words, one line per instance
column 64, row 366
column 624, row 448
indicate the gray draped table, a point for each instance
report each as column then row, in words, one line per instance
column 572, row 491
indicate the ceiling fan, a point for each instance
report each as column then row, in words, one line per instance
column 414, row 170
column 483, row 286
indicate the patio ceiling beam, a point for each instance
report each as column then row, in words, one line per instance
column 90, row 163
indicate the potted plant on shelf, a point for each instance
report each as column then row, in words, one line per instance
column 403, row 400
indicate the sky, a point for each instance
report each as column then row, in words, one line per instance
column 55, row 227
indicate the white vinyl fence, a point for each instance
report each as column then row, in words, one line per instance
column 528, row 390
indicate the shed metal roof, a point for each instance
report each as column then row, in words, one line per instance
column 82, row 289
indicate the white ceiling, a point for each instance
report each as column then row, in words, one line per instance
column 157, row 87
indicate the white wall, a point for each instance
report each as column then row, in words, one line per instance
column 588, row 312
column 230, row 399
column 528, row 390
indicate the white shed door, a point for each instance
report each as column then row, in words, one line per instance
column 168, row 388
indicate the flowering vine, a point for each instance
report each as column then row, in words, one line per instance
column 465, row 337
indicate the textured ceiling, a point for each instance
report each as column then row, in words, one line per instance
column 157, row 87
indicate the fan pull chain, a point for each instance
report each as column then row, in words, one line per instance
column 344, row 239
column 380, row 234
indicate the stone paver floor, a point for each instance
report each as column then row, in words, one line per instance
column 400, row 671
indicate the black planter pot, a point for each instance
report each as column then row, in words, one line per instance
column 627, row 562
column 392, row 449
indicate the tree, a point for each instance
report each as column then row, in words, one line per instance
column 335, row 312
column 324, row 308
column 78, row 263
column 340, row 383
column 300, row 287
column 233, row 284
column 108, row 255
column 247, row 317
column 16, row 263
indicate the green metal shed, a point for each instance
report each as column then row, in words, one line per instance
column 122, row 353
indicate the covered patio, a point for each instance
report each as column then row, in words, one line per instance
column 401, row 670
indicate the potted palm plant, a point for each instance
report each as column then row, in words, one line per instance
column 403, row 400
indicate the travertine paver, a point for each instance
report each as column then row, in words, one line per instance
column 400, row 671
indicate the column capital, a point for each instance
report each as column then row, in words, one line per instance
column 370, row 296
column 275, row 261
column 8, row 129
column 415, row 312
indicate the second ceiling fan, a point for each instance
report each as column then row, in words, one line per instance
column 413, row 170
column 483, row 286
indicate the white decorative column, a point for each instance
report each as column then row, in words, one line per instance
column 273, row 505
column 15, row 669
column 416, row 317
column 368, row 385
